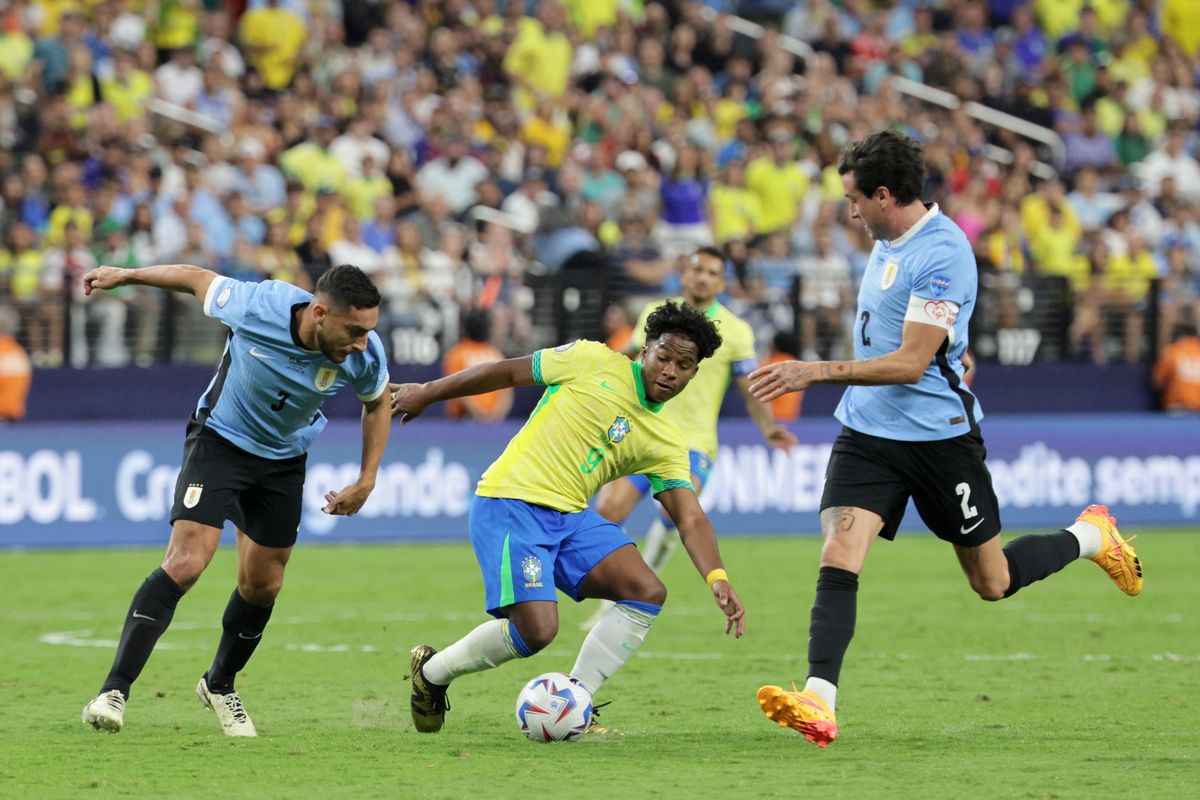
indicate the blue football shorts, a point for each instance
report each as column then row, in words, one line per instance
column 526, row 551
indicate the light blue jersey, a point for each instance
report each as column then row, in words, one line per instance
column 928, row 275
column 267, row 394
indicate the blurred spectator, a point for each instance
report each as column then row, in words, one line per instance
column 734, row 212
column 16, row 370
column 618, row 328
column 351, row 249
column 778, row 181
column 273, row 36
column 562, row 133
column 1171, row 160
column 454, row 175
column 683, row 227
column 824, row 298
column 786, row 407
column 1092, row 206
column 310, row 161
column 1177, row 372
column 475, row 348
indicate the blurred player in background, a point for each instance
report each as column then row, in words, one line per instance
column 911, row 428
column 530, row 523
column 695, row 410
column 244, row 458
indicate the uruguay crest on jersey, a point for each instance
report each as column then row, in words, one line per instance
column 617, row 431
column 325, row 378
column 890, row 270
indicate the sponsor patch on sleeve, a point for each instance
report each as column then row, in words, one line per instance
column 939, row 284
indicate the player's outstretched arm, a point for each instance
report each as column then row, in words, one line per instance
column 760, row 412
column 176, row 277
column 409, row 400
column 376, row 425
column 699, row 539
column 907, row 364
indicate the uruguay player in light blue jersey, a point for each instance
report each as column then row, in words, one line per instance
column 244, row 458
column 910, row 427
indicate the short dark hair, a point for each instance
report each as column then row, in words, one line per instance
column 887, row 159
column 709, row 250
column 477, row 325
column 680, row 318
column 348, row 287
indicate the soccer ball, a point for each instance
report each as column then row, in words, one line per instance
column 554, row 708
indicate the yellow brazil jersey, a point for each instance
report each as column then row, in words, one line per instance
column 593, row 425
column 696, row 408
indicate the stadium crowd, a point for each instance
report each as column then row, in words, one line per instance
column 456, row 149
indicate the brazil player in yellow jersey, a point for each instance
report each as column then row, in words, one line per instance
column 696, row 410
column 530, row 523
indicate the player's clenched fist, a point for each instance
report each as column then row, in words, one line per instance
column 103, row 278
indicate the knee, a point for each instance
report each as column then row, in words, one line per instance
column 537, row 633
column 260, row 593
column 647, row 590
column 990, row 590
column 184, row 566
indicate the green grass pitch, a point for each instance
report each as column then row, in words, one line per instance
column 1068, row 690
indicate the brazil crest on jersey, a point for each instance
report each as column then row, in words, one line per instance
column 928, row 276
column 594, row 424
column 696, row 408
column 267, row 394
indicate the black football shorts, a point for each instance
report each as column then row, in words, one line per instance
column 948, row 481
column 219, row 481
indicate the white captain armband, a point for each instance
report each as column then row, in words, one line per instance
column 941, row 313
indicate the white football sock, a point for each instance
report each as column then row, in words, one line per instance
column 615, row 638
column 486, row 647
column 824, row 690
column 1088, row 536
column 660, row 544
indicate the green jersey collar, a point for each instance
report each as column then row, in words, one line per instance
column 711, row 312
column 641, row 388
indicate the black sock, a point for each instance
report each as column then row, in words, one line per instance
column 243, row 625
column 1031, row 558
column 148, row 617
column 832, row 625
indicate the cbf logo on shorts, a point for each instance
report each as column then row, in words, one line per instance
column 939, row 284
column 531, row 568
column 325, row 378
column 617, row 431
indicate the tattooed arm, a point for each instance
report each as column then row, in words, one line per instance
column 905, row 365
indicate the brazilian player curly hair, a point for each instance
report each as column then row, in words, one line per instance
column 682, row 319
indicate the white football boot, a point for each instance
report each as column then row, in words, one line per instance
column 106, row 712
column 230, row 711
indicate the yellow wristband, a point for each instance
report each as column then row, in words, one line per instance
column 716, row 575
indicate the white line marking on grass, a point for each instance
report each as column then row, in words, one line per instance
column 81, row 639
column 1000, row 657
column 331, row 648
